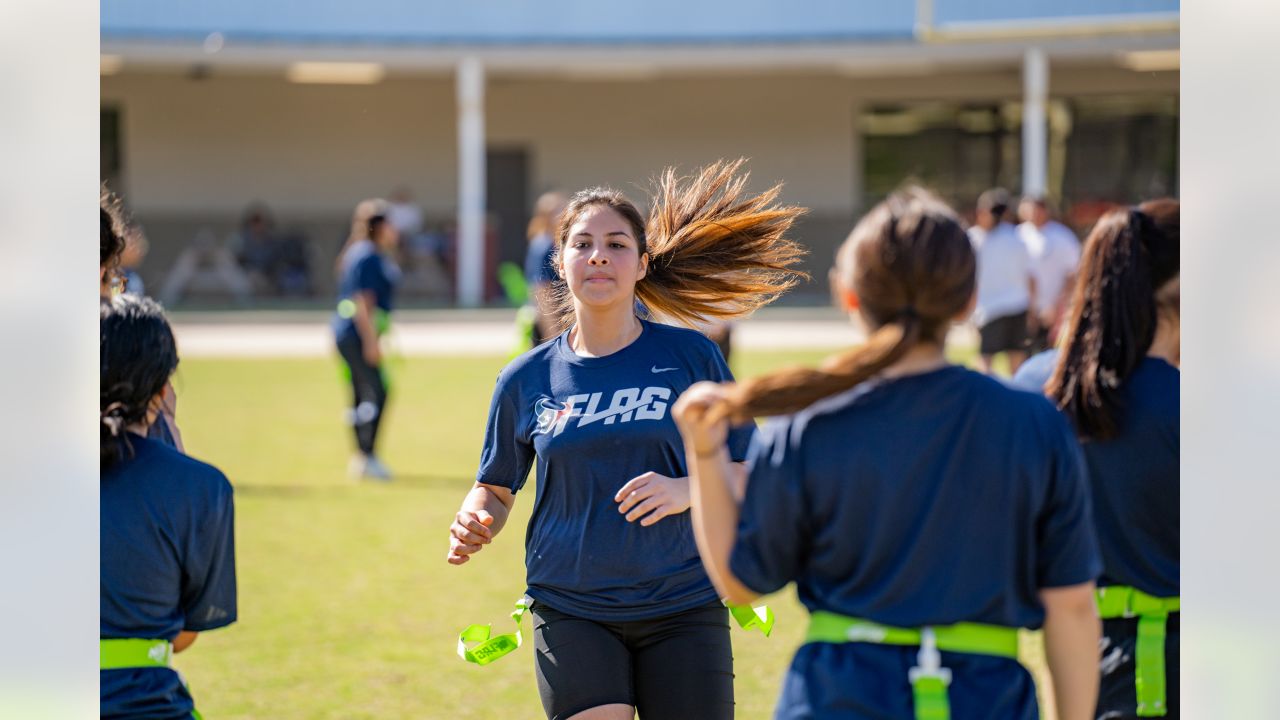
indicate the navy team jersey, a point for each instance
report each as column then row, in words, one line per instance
column 928, row 499
column 1134, row 476
column 167, row 565
column 591, row 425
column 364, row 269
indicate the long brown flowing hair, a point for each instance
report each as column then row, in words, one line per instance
column 910, row 264
column 715, row 252
column 1124, row 283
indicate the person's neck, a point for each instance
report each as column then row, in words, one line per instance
column 604, row 331
column 921, row 358
column 1167, row 344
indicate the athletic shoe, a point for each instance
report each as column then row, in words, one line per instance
column 355, row 467
column 375, row 470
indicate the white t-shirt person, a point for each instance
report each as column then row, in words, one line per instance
column 1004, row 267
column 1055, row 255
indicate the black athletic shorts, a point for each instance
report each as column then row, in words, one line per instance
column 678, row 667
column 1007, row 332
column 1117, row 695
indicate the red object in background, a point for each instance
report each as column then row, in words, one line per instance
column 1084, row 213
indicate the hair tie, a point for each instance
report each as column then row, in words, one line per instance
column 113, row 417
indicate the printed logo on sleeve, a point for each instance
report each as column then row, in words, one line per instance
column 628, row 404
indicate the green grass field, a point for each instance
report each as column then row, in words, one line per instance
column 347, row 607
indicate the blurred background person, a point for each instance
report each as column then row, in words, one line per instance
column 539, row 266
column 135, row 251
column 1006, row 285
column 254, row 246
column 110, row 245
column 1055, row 254
column 367, row 279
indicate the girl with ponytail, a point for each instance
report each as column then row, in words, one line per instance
column 1116, row 378
column 625, row 618
column 167, row 567
column 924, row 511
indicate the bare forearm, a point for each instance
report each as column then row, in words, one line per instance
column 715, row 486
column 482, row 498
column 1071, row 647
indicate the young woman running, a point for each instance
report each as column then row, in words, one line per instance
column 367, row 278
column 1116, row 378
column 624, row 616
column 168, row 553
column 924, row 511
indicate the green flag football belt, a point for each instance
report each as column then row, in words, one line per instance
column 126, row 653
column 929, row 679
column 121, row 653
column 478, row 645
column 1119, row 601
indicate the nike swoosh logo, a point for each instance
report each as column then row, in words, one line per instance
column 655, row 369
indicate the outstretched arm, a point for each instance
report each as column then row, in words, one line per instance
column 484, row 511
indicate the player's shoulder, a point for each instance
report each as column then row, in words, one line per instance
column 197, row 476
column 532, row 361
column 677, row 335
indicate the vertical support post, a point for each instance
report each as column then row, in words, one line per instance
column 1035, row 145
column 471, row 182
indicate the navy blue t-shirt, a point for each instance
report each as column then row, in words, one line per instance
column 591, row 425
column 364, row 269
column 928, row 499
column 167, row 565
column 1134, row 477
column 539, row 261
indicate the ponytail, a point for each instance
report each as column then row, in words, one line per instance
column 792, row 389
column 1128, row 258
column 714, row 252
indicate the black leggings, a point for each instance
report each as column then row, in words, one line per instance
column 1117, row 696
column 369, row 393
column 676, row 667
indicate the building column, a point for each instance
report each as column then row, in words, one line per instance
column 1035, row 146
column 471, row 182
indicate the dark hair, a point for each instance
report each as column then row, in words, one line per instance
column 375, row 222
column 714, row 252
column 137, row 355
column 111, row 236
column 912, row 268
column 1123, row 284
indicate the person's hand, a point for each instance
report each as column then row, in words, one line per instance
column 372, row 353
column 169, row 401
column 468, row 534
column 702, row 424
column 651, row 497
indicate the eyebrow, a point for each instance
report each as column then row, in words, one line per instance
column 608, row 234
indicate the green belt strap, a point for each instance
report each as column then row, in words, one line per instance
column 487, row 649
column 123, row 653
column 929, row 680
column 749, row 618
column 1120, row 601
column 120, row 653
